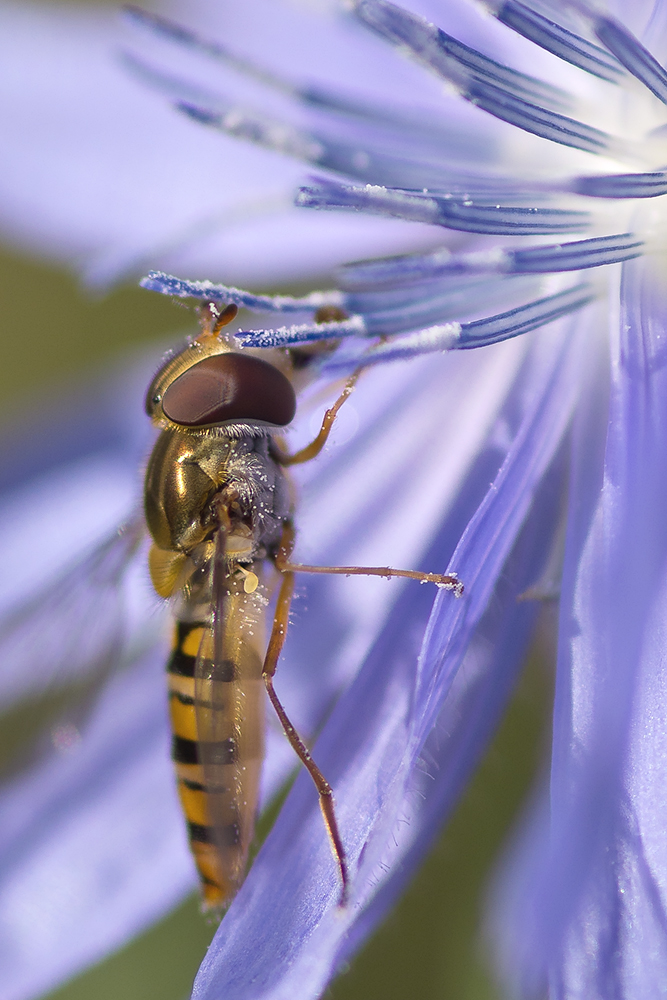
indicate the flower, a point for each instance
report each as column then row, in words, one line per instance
column 499, row 464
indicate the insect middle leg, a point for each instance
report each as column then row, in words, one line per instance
column 446, row 581
column 281, row 619
column 276, row 643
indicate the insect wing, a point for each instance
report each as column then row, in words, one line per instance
column 72, row 629
column 229, row 708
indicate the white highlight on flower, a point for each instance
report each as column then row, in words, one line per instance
column 441, row 337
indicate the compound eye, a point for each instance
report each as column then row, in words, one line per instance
column 230, row 387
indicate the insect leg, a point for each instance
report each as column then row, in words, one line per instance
column 317, row 444
column 276, row 643
column 213, row 319
column 448, row 581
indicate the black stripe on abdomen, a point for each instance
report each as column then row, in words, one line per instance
column 185, row 751
column 182, row 664
column 228, row 836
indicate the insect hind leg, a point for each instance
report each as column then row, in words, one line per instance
column 323, row 787
column 288, row 570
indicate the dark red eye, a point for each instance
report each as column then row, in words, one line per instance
column 230, row 387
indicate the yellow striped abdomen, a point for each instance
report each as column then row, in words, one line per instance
column 217, row 724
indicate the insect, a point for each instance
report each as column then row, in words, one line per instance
column 219, row 513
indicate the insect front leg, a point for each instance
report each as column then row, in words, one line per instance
column 313, row 449
column 276, row 642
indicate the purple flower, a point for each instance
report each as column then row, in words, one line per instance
column 531, row 190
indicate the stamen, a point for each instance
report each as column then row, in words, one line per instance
column 504, row 326
column 649, row 185
column 311, row 95
column 457, row 212
column 575, row 256
column 486, row 84
column 412, row 269
column 403, row 269
column 491, row 86
column 463, row 336
column 168, row 284
column 267, row 132
column 542, row 122
column 413, row 307
column 362, row 159
column 283, row 336
column 442, row 337
column 173, row 86
column 451, row 59
column 632, row 54
column 628, row 50
column 554, row 38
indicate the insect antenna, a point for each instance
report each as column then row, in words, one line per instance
column 212, row 319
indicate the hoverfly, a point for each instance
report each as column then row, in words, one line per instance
column 218, row 510
column 220, row 513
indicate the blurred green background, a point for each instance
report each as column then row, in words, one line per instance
column 429, row 947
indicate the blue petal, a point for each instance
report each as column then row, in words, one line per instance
column 474, row 705
column 591, row 918
column 337, row 619
column 284, row 933
column 92, row 848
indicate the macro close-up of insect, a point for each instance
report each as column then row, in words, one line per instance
column 390, row 519
column 218, row 509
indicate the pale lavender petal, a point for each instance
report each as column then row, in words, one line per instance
column 76, row 466
column 585, row 910
column 594, row 915
column 92, row 846
column 93, row 168
column 76, row 880
column 284, row 933
column 611, row 801
column 392, row 413
column 475, row 703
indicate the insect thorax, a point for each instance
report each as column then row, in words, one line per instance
column 197, row 482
